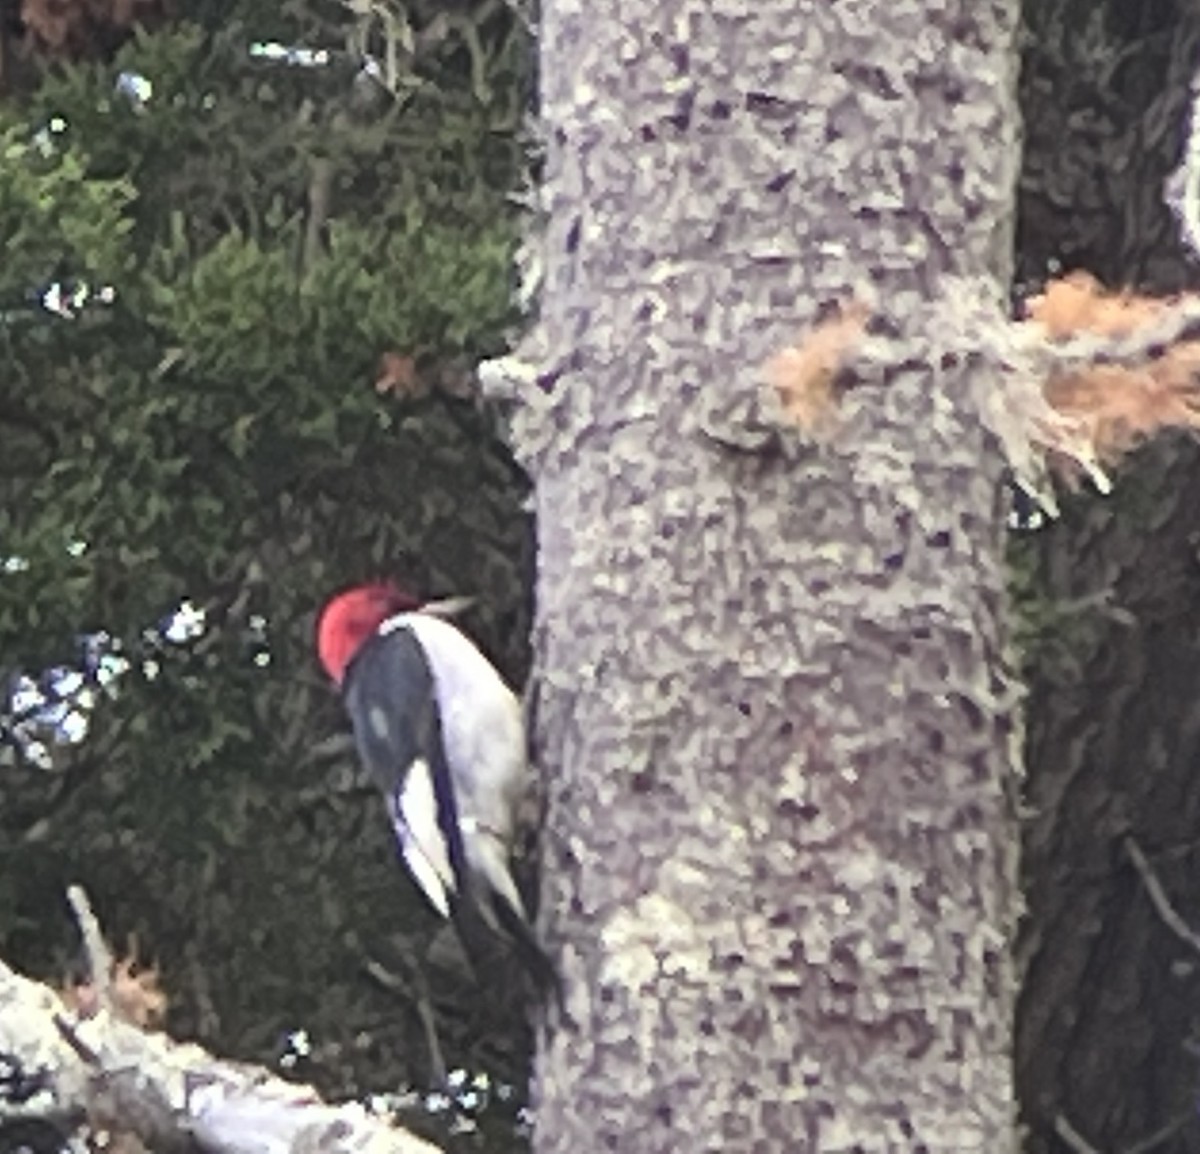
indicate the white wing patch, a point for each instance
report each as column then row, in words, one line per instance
column 414, row 815
column 481, row 722
column 379, row 723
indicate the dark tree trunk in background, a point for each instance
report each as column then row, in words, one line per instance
column 773, row 712
column 1110, row 994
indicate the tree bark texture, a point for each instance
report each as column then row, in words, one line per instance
column 774, row 712
column 1105, row 1021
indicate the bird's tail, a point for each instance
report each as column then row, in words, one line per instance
column 532, row 956
column 506, row 915
column 495, row 938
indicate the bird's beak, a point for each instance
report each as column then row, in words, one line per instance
column 447, row 606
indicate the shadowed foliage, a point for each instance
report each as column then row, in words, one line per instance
column 208, row 430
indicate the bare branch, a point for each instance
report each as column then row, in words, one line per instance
column 95, row 948
column 416, row 995
column 1072, row 1137
column 177, row 1096
column 1160, row 1136
column 1170, row 325
column 1158, row 896
column 1183, row 185
column 320, row 196
column 1087, row 376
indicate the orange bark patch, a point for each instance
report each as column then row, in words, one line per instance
column 136, row 990
column 803, row 374
column 1120, row 405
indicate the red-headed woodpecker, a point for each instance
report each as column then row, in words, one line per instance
column 444, row 738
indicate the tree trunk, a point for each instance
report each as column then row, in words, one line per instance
column 773, row 710
column 1105, row 1020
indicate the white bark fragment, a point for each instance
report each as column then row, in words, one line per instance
column 1182, row 192
column 169, row 1092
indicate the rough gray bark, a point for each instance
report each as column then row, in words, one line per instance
column 773, row 709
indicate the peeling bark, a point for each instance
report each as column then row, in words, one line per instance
column 774, row 709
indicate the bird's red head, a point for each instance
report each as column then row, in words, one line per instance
column 351, row 617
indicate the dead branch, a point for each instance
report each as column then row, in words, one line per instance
column 1161, row 1136
column 95, row 948
column 416, row 994
column 1083, row 379
column 1158, row 896
column 172, row 1095
column 1072, row 1137
column 1183, row 186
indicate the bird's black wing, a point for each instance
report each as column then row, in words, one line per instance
column 389, row 695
